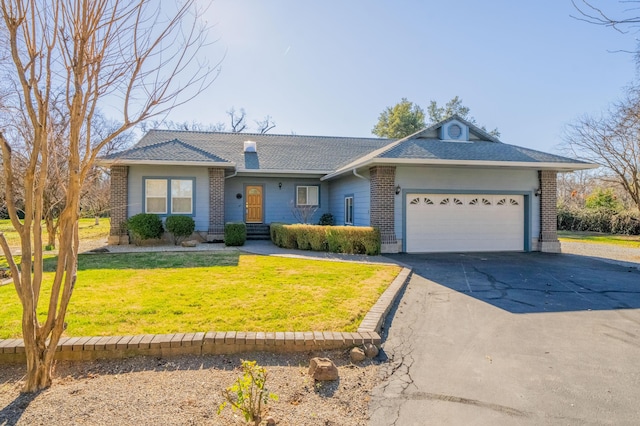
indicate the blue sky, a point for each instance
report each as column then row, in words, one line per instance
column 330, row 67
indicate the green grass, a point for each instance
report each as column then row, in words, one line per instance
column 87, row 230
column 124, row 294
column 599, row 238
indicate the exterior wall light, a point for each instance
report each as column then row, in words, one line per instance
column 279, row 185
column 398, row 189
column 538, row 192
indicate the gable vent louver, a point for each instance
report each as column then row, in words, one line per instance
column 250, row 146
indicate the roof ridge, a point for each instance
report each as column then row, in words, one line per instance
column 202, row 151
column 266, row 134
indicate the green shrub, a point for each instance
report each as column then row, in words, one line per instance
column 326, row 220
column 603, row 198
column 283, row 236
column 180, row 226
column 235, row 234
column 626, row 223
column 598, row 220
column 144, row 226
column 337, row 239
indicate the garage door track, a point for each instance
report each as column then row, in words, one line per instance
column 513, row 338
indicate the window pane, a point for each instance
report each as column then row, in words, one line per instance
column 348, row 210
column 181, row 188
column 302, row 196
column 156, row 188
column 181, row 196
column 181, row 205
column 156, row 205
column 312, row 195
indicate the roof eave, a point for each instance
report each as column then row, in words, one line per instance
column 564, row 167
column 125, row 162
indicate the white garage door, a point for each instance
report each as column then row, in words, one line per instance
column 464, row 222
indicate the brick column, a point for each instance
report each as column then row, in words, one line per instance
column 216, row 204
column 118, row 204
column 548, row 212
column 383, row 179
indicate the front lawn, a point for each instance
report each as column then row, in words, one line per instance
column 599, row 238
column 87, row 230
column 140, row 293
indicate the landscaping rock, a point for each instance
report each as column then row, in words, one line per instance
column 357, row 355
column 370, row 350
column 270, row 421
column 323, row 369
column 189, row 243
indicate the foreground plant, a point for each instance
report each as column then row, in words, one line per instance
column 248, row 394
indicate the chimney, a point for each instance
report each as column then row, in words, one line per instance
column 250, row 146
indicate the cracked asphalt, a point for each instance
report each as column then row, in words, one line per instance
column 512, row 338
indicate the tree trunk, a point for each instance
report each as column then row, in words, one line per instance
column 97, row 222
column 39, row 368
column 39, row 354
column 51, row 231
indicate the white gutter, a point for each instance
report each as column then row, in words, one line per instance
column 355, row 173
column 465, row 163
column 232, row 175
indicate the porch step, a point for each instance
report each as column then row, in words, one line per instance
column 257, row 231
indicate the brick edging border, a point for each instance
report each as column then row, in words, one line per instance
column 217, row 342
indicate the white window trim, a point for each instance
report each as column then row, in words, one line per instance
column 146, row 196
column 348, row 200
column 317, row 204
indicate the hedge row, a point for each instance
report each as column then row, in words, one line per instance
column 599, row 220
column 336, row 239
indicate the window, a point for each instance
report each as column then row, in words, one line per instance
column 181, row 196
column 348, row 210
column 168, row 195
column 156, row 193
column 307, row 196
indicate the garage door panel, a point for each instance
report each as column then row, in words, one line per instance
column 464, row 222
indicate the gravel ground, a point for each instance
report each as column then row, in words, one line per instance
column 603, row 251
column 186, row 391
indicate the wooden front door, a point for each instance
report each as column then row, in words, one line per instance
column 253, row 198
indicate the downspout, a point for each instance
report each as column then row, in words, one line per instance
column 355, row 173
column 232, row 175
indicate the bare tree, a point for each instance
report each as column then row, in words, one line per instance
column 238, row 120
column 131, row 55
column 192, row 126
column 265, row 125
column 611, row 141
column 589, row 12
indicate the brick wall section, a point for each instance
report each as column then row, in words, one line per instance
column 216, row 203
column 383, row 180
column 213, row 342
column 548, row 215
column 118, row 203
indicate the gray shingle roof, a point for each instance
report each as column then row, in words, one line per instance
column 173, row 150
column 325, row 155
column 469, row 151
column 274, row 152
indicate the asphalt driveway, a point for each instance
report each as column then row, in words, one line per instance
column 513, row 338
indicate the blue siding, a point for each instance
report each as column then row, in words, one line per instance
column 201, row 191
column 352, row 186
column 277, row 201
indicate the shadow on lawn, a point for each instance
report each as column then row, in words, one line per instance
column 155, row 260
